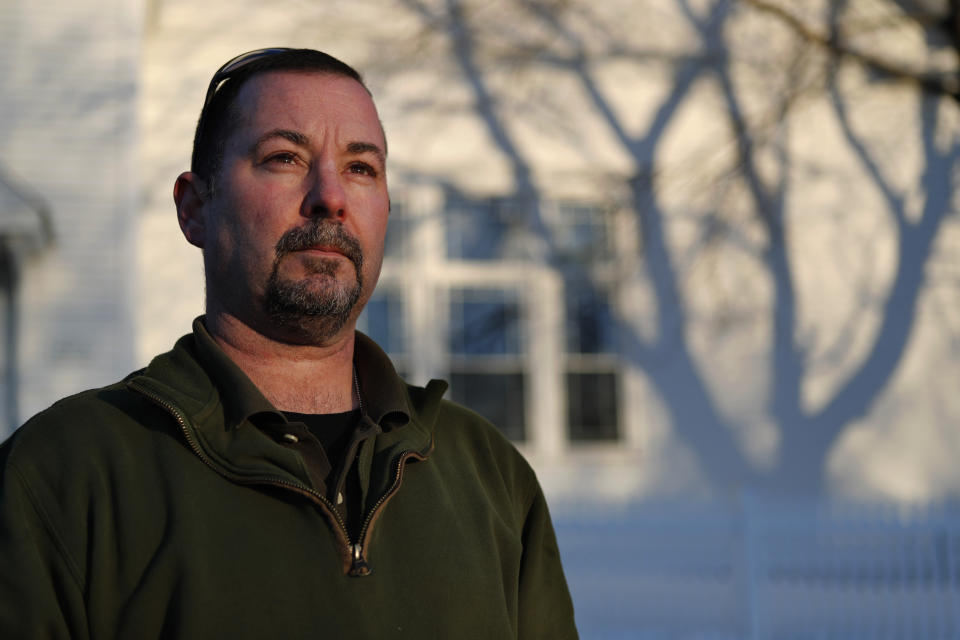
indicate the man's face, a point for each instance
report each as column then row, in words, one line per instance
column 296, row 221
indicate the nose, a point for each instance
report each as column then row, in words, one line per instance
column 326, row 196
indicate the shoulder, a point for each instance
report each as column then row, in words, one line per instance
column 473, row 442
column 104, row 421
column 80, row 430
column 461, row 423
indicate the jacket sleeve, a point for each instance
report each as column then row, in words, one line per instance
column 545, row 608
column 40, row 592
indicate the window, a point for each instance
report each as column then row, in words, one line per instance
column 532, row 345
column 592, row 364
column 486, row 363
column 590, row 323
column 580, row 232
column 485, row 229
column 498, row 397
column 592, row 406
column 384, row 321
column 398, row 231
column 484, row 322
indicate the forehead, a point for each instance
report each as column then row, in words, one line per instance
column 307, row 101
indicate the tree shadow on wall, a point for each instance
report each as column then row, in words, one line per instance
column 758, row 96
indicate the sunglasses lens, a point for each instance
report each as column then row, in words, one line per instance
column 245, row 58
column 231, row 66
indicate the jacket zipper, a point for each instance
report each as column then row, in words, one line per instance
column 358, row 565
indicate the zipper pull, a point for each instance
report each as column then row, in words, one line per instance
column 359, row 566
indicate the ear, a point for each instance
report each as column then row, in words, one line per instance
column 189, row 193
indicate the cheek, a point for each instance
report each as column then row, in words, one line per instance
column 381, row 217
column 376, row 238
column 241, row 241
column 370, row 220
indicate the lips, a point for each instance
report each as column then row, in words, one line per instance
column 326, row 249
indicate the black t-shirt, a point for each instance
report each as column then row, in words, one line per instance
column 333, row 430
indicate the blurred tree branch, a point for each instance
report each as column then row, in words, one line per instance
column 791, row 120
column 832, row 40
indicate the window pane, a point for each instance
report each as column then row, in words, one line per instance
column 382, row 320
column 483, row 229
column 591, row 325
column 580, row 232
column 497, row 397
column 592, row 406
column 398, row 230
column 484, row 322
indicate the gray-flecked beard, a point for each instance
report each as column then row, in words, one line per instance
column 318, row 306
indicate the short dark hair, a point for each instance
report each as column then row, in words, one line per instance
column 216, row 119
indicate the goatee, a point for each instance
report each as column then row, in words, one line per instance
column 317, row 306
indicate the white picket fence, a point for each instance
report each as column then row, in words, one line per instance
column 763, row 569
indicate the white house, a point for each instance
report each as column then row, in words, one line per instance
column 678, row 251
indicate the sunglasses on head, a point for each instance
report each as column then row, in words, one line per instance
column 233, row 65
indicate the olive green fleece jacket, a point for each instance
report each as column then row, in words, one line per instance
column 155, row 508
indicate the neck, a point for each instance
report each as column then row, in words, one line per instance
column 293, row 377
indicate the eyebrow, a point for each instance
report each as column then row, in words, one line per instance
column 295, row 137
column 302, row 140
column 367, row 147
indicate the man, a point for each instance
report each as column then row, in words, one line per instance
column 271, row 476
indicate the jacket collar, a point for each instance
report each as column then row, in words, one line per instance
column 382, row 392
column 241, row 399
column 215, row 401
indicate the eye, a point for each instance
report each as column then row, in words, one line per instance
column 283, row 157
column 362, row 168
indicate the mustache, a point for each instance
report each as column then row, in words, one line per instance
column 320, row 233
